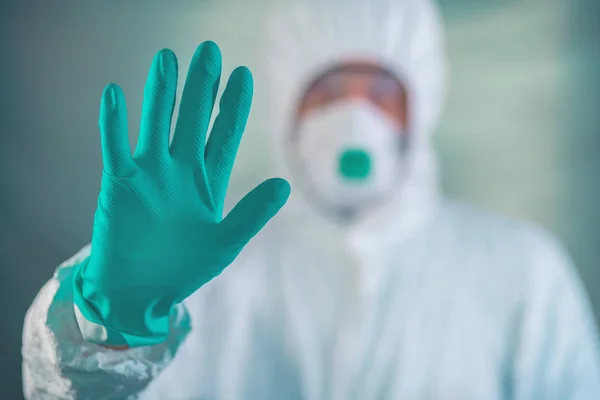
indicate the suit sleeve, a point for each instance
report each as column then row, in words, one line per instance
column 58, row 363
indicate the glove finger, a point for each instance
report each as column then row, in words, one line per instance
column 159, row 101
column 116, row 152
column 253, row 212
column 224, row 140
column 197, row 102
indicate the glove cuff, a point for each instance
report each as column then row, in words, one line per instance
column 95, row 331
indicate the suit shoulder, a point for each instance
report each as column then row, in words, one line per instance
column 501, row 240
column 472, row 221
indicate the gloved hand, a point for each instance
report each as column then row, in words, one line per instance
column 159, row 232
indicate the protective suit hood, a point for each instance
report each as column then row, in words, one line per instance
column 404, row 36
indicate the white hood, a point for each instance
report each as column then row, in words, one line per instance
column 306, row 37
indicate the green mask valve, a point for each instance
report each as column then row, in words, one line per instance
column 355, row 164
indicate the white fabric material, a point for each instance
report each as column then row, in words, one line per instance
column 89, row 330
column 471, row 307
column 325, row 134
column 420, row 299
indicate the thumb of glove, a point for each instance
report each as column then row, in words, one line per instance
column 253, row 212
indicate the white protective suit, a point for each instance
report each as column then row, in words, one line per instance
column 419, row 299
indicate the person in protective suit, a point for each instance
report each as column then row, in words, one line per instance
column 367, row 285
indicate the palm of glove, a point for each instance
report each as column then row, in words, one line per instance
column 159, row 233
column 167, row 220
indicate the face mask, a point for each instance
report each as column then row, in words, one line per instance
column 349, row 156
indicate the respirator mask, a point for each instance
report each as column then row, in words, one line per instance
column 348, row 156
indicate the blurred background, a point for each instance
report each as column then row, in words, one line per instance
column 520, row 135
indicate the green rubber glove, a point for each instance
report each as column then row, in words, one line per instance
column 159, row 232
